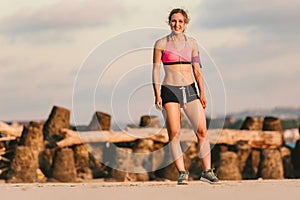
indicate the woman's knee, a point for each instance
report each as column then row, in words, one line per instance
column 201, row 133
column 174, row 134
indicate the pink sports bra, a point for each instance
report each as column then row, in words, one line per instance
column 172, row 57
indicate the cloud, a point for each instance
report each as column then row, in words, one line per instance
column 271, row 15
column 65, row 15
column 255, row 44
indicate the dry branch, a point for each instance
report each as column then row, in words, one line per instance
column 5, row 151
column 3, row 170
column 8, row 138
column 4, row 159
column 2, row 152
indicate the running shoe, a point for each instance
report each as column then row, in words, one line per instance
column 209, row 176
column 183, row 178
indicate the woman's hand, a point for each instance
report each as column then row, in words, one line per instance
column 158, row 103
column 203, row 101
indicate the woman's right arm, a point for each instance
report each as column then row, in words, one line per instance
column 157, row 55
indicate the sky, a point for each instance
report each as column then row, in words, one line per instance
column 91, row 55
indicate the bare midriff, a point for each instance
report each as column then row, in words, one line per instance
column 178, row 75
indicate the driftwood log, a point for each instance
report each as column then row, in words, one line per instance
column 256, row 139
column 74, row 137
column 14, row 130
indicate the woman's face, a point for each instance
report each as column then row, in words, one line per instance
column 177, row 23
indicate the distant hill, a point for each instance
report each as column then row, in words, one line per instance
column 290, row 118
column 280, row 112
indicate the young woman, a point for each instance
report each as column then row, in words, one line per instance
column 180, row 57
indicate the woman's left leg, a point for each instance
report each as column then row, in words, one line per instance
column 195, row 113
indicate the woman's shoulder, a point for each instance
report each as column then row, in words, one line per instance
column 192, row 41
column 161, row 43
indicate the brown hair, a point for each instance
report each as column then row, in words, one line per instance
column 179, row 10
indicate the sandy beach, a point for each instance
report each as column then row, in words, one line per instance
column 254, row 189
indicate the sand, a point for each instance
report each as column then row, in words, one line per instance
column 254, row 189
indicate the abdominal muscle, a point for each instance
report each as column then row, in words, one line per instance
column 178, row 75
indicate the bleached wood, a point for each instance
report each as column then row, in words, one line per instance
column 128, row 135
column 257, row 139
column 12, row 130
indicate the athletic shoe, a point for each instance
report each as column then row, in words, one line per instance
column 209, row 176
column 183, row 178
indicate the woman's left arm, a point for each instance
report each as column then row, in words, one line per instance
column 197, row 70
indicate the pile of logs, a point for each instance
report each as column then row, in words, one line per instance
column 55, row 151
column 260, row 155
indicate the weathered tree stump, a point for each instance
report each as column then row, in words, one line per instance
column 243, row 152
column 288, row 168
column 168, row 169
column 195, row 168
column 24, row 166
column 100, row 121
column 296, row 159
column 255, row 161
column 228, row 168
column 46, row 161
column 158, row 155
column 141, row 160
column 168, row 172
column 96, row 162
column 81, row 156
column 245, row 160
column 150, row 121
column 122, row 165
column 143, row 146
column 59, row 118
column 64, row 169
column 216, row 152
column 142, row 151
column 128, row 165
column 271, row 164
column 32, row 136
column 252, row 123
column 192, row 160
column 272, row 124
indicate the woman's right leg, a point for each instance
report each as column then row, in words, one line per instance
column 172, row 118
